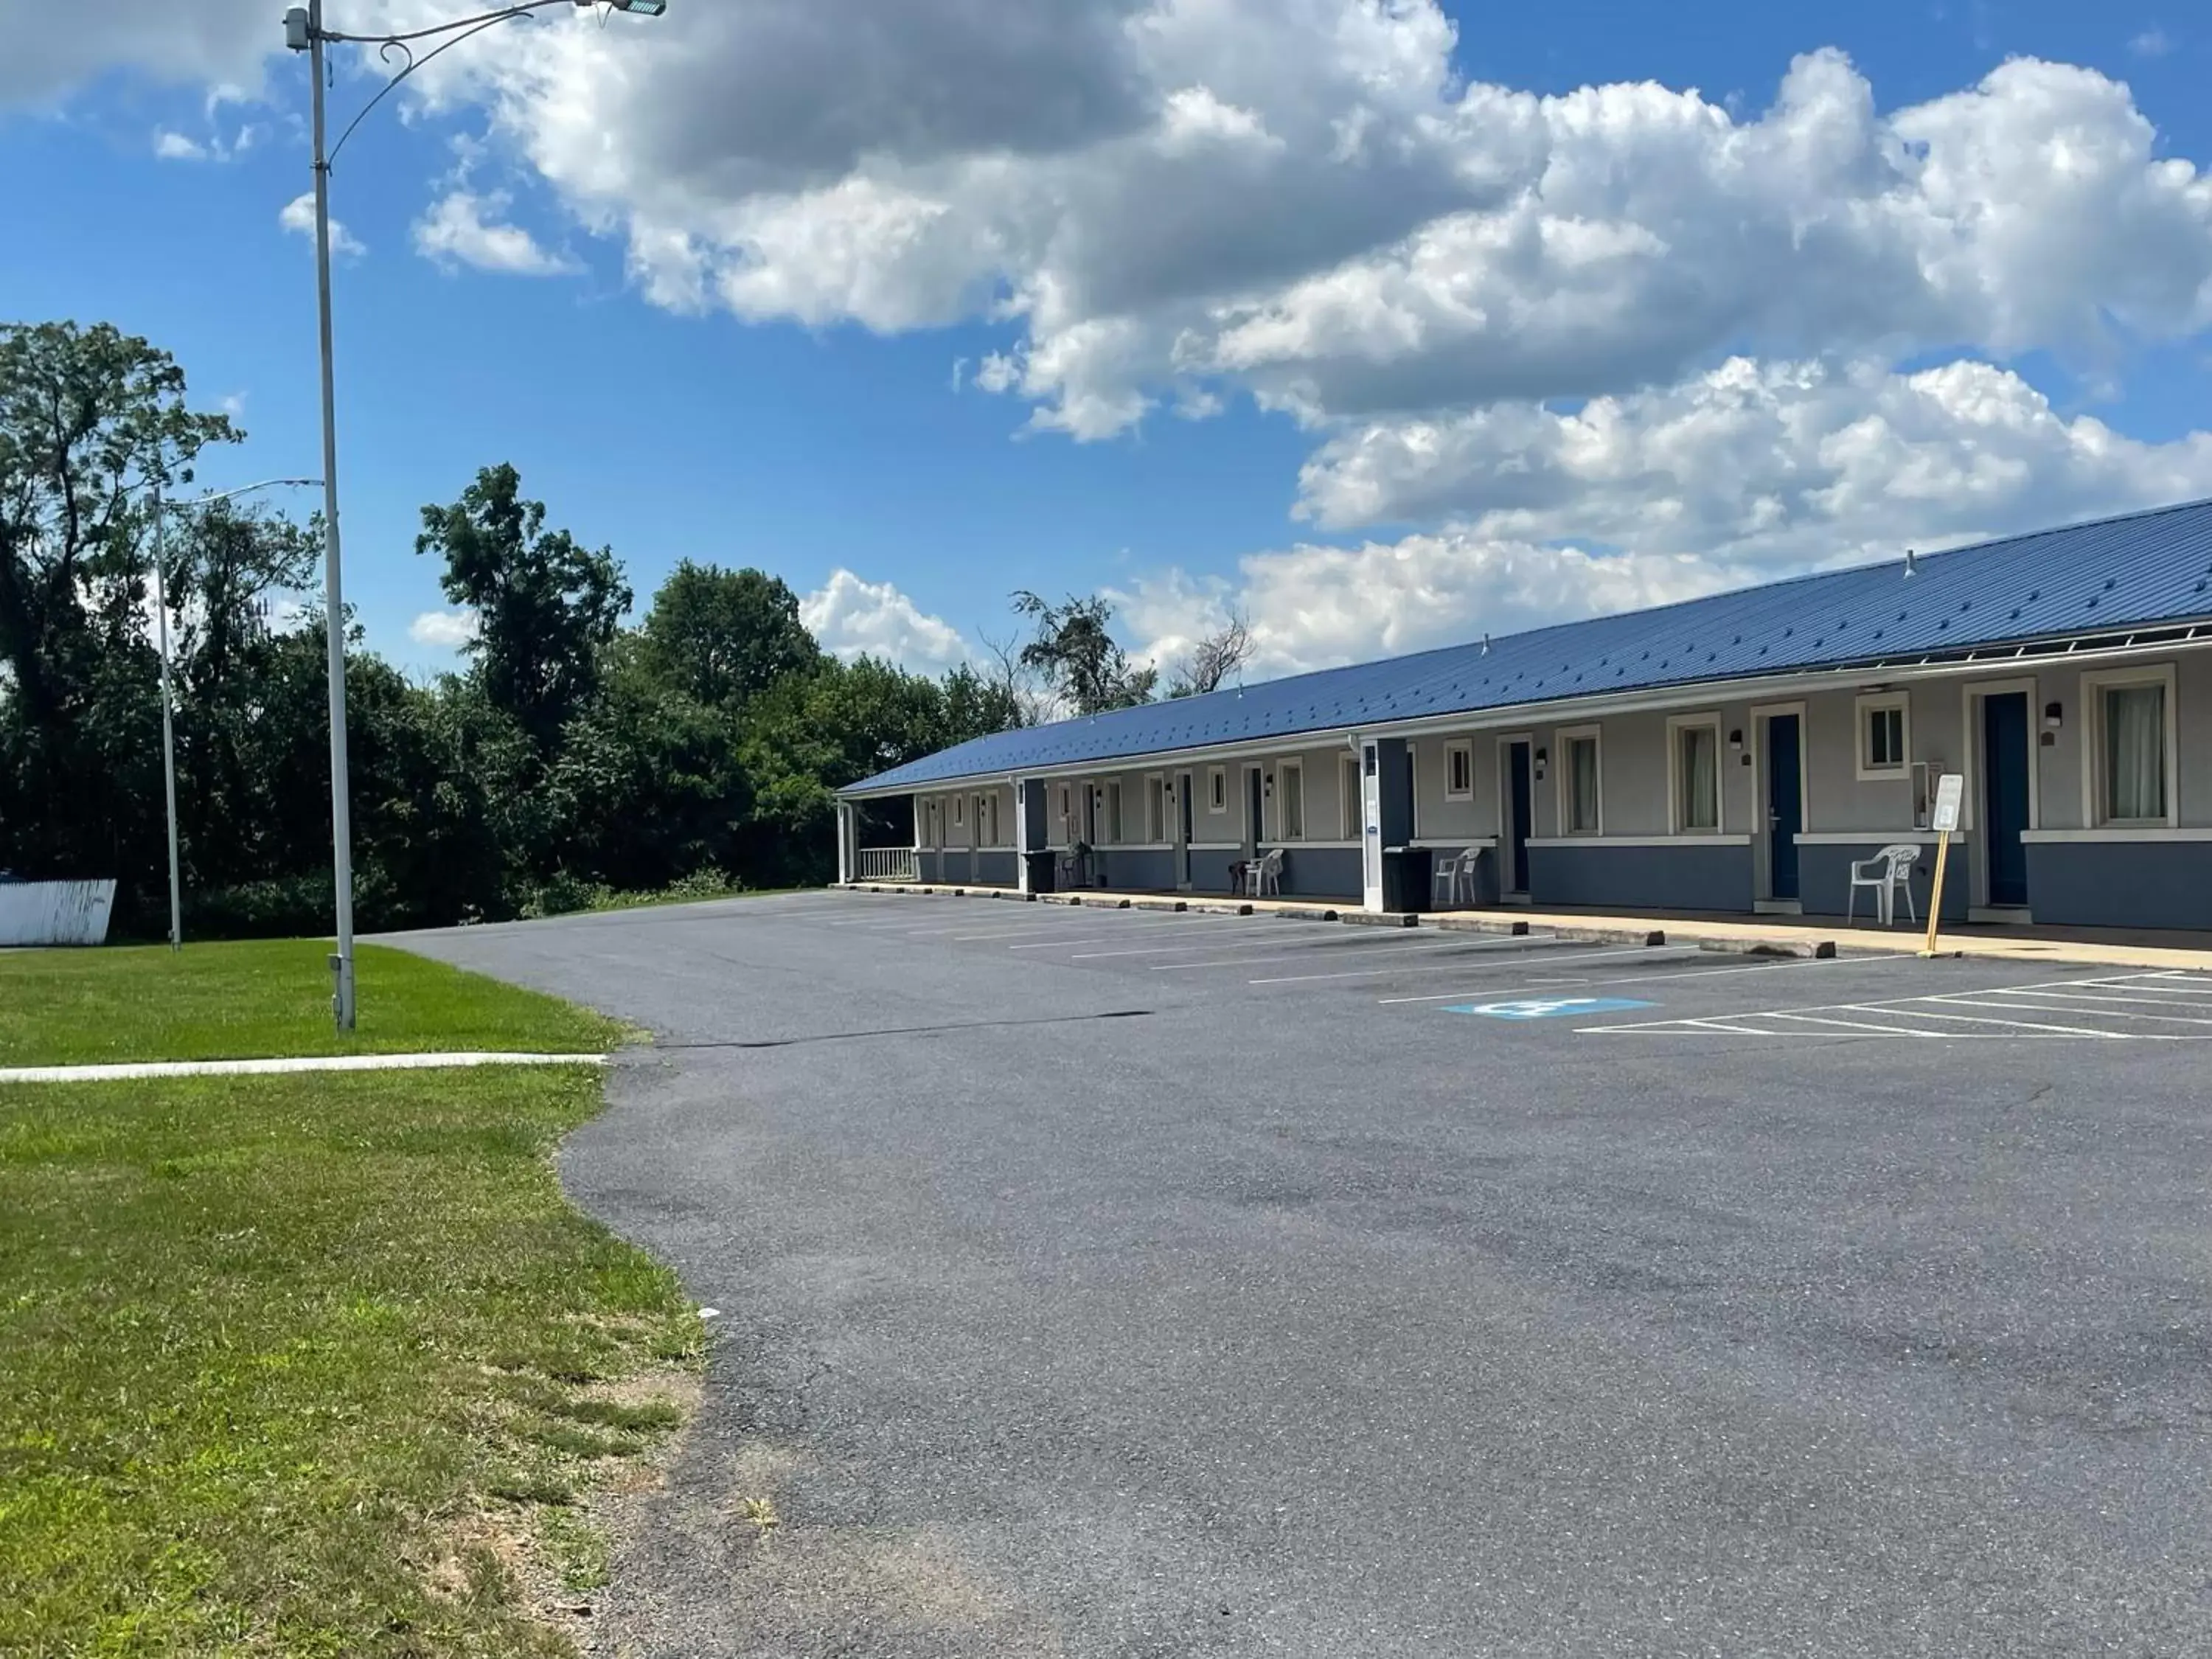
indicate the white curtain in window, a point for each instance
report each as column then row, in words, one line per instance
column 1582, row 755
column 2135, row 751
column 1700, row 782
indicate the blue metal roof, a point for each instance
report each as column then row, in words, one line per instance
column 2142, row 569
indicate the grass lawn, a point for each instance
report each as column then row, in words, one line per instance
column 262, row 997
column 319, row 1365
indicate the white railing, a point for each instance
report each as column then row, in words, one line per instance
column 889, row 864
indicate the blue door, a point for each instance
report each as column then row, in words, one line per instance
column 1519, row 826
column 2004, row 794
column 1785, row 804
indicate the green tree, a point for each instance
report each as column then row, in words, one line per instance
column 649, row 782
column 722, row 637
column 546, row 607
column 1078, row 656
column 90, row 420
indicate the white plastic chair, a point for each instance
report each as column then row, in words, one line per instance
column 1451, row 877
column 1264, row 876
column 1889, row 872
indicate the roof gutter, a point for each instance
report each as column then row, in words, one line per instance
column 2156, row 639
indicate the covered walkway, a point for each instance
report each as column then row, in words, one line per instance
column 1803, row 936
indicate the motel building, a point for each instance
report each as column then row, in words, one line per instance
column 1734, row 754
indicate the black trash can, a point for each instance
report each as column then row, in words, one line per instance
column 1043, row 867
column 1397, row 869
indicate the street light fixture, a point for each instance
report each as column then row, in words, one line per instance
column 169, row 701
column 304, row 31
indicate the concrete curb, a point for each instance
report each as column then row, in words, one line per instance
column 1776, row 945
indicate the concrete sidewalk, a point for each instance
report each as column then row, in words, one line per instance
column 138, row 1070
column 1802, row 936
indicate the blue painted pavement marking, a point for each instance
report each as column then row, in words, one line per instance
column 1548, row 1007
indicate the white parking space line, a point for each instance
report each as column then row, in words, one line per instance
column 2114, row 996
column 1321, row 935
column 2007, row 1012
column 1464, row 995
column 1394, row 949
column 1442, row 967
column 1087, row 938
column 2054, row 1006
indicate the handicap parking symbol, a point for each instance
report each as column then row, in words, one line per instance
column 1548, row 1007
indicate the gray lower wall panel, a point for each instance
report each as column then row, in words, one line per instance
column 942, row 866
column 1824, row 882
column 1322, row 872
column 2121, row 884
column 1642, row 878
column 1127, row 870
column 1485, row 892
column 1212, row 872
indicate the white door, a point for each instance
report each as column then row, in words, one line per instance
column 1370, row 824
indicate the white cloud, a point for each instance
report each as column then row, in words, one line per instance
column 1624, row 317
column 443, row 630
column 457, row 232
column 175, row 147
column 299, row 218
column 2151, row 43
column 1790, row 463
column 52, row 49
column 1313, row 606
column 1297, row 199
column 852, row 618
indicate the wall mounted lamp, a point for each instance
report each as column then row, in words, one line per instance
column 1543, row 758
column 2054, row 716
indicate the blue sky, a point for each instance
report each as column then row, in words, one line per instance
column 1334, row 440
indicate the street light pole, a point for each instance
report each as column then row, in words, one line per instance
column 168, row 696
column 168, row 721
column 303, row 30
column 342, row 1001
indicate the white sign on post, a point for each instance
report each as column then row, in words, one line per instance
column 1950, row 791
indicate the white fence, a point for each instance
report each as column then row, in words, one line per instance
column 889, row 864
column 55, row 912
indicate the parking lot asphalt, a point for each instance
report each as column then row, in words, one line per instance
column 1119, row 1283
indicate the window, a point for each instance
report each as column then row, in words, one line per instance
column 2131, row 746
column 1694, row 788
column 1216, row 782
column 1348, row 803
column 1885, row 737
column 1155, row 808
column 1459, row 771
column 987, row 820
column 1582, row 803
column 1111, row 829
column 1290, row 800
column 959, row 807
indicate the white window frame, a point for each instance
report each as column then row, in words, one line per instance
column 959, row 812
column 1156, row 810
column 1350, row 800
column 1297, row 769
column 1872, row 703
column 1217, row 791
column 1462, row 750
column 1109, row 810
column 2094, row 683
column 1563, row 779
column 1677, row 819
